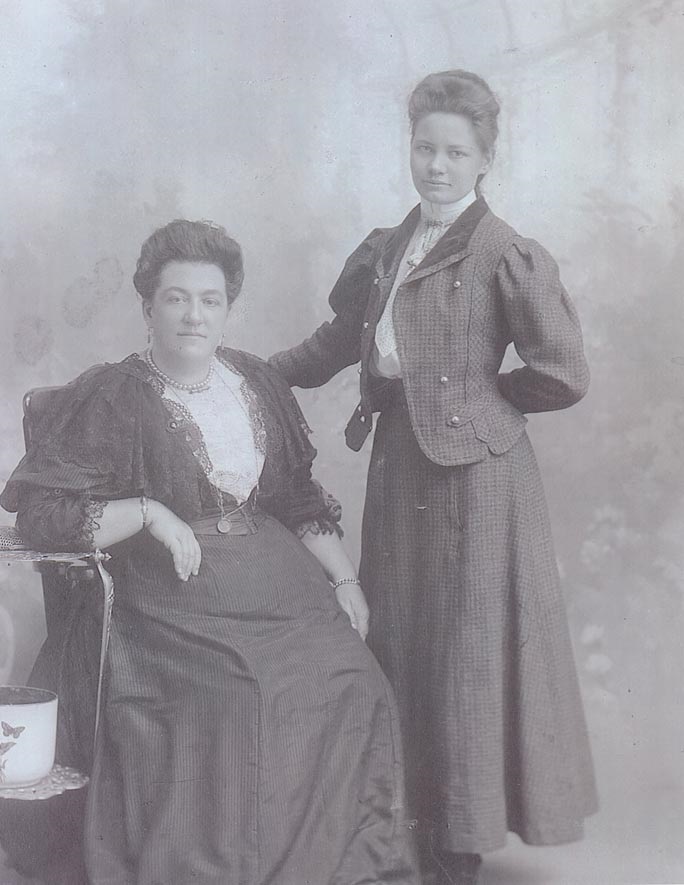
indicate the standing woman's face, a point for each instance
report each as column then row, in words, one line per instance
column 446, row 158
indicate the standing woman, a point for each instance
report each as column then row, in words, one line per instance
column 467, row 616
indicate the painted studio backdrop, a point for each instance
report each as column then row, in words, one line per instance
column 285, row 122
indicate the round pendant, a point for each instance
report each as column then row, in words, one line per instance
column 223, row 525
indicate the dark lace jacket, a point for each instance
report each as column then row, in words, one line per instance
column 109, row 435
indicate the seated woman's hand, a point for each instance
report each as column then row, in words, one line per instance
column 353, row 602
column 178, row 538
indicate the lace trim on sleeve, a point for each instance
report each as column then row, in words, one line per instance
column 324, row 525
column 332, row 506
column 318, row 527
column 92, row 513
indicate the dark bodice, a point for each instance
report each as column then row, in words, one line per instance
column 109, row 435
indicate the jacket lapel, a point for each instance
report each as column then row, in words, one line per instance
column 455, row 244
column 395, row 246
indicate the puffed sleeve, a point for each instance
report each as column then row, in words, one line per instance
column 545, row 329
column 336, row 344
column 73, row 465
column 104, row 436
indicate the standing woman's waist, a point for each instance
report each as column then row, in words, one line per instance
column 386, row 393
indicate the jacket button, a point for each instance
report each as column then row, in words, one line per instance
column 365, row 325
column 457, row 284
column 362, row 419
column 376, row 281
column 360, row 370
column 454, row 421
column 443, row 379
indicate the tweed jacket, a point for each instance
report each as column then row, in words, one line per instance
column 482, row 287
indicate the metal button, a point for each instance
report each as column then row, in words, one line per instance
column 362, row 419
column 443, row 379
column 359, row 409
column 359, row 370
column 454, row 421
column 457, row 284
column 365, row 325
column 376, row 281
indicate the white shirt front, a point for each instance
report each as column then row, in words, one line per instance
column 222, row 414
column 435, row 220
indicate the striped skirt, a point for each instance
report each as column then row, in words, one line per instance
column 249, row 736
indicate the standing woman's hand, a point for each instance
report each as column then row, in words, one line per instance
column 353, row 602
column 178, row 538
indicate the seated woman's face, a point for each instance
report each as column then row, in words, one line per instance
column 188, row 311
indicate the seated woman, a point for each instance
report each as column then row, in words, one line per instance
column 247, row 734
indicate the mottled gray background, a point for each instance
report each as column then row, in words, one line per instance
column 285, row 122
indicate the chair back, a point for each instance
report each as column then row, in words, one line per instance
column 59, row 581
column 34, row 404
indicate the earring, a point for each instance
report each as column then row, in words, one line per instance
column 223, row 335
column 149, row 334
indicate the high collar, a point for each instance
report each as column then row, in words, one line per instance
column 454, row 240
column 446, row 213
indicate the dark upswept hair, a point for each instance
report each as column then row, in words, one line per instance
column 458, row 92
column 195, row 241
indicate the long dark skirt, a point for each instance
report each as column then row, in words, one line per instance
column 249, row 736
column 470, row 626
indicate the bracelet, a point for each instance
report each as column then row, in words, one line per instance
column 346, row 581
column 143, row 510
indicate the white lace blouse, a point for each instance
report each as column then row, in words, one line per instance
column 231, row 429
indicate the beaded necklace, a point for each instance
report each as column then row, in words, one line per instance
column 197, row 387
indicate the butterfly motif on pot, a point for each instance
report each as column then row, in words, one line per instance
column 5, row 746
column 11, row 730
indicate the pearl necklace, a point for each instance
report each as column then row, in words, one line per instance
column 197, row 387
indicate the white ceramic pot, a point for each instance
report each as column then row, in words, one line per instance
column 28, row 727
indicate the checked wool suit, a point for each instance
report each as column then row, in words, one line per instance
column 467, row 615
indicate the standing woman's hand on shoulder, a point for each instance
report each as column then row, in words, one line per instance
column 178, row 538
